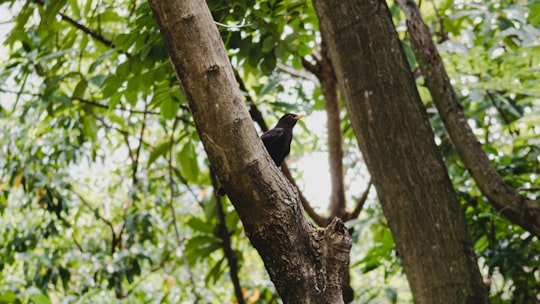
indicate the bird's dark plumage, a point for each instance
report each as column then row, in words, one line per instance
column 278, row 140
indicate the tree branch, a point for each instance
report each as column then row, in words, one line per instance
column 114, row 236
column 294, row 72
column 359, row 203
column 97, row 36
column 518, row 209
column 173, row 212
column 225, row 235
column 131, row 111
column 501, row 112
column 323, row 70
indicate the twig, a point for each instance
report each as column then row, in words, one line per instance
column 138, row 151
column 296, row 73
column 501, row 112
column 114, row 243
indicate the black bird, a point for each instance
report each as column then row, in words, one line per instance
column 278, row 140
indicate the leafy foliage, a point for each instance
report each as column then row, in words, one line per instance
column 104, row 187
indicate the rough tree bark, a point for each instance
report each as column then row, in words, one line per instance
column 518, row 209
column 305, row 264
column 397, row 142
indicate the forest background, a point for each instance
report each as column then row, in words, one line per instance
column 106, row 191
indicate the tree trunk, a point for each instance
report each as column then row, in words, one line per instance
column 396, row 140
column 323, row 70
column 305, row 264
column 519, row 209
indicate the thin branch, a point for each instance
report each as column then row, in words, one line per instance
column 360, row 203
column 225, row 235
column 132, row 156
column 131, row 111
column 97, row 36
column 184, row 181
column 254, row 112
column 138, row 151
column 296, row 73
column 173, row 212
column 322, row 68
column 501, row 112
column 171, row 181
column 114, row 242
column 104, row 106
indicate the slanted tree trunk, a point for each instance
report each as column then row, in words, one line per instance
column 519, row 209
column 397, row 142
column 305, row 264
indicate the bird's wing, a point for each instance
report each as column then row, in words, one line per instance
column 272, row 136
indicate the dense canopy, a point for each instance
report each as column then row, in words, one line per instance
column 106, row 191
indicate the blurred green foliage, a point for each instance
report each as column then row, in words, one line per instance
column 105, row 190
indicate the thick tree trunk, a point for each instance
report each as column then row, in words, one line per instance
column 305, row 264
column 515, row 207
column 396, row 140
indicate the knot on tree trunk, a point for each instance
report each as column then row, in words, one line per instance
column 333, row 244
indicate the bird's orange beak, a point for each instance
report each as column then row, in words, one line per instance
column 299, row 116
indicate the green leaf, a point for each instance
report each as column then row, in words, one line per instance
column 169, row 108
column 255, row 55
column 8, row 296
column 52, row 7
column 80, row 88
column 280, row 51
column 269, row 63
column 188, row 161
column 534, row 14
column 40, row 298
column 160, row 150
column 216, row 271
column 482, row 244
column 409, row 54
column 199, row 225
column 90, row 127
column 123, row 69
column 199, row 247
column 391, row 294
column 268, row 43
column 111, row 85
column 100, row 59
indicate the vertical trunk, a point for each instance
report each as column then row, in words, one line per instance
column 335, row 140
column 324, row 71
column 305, row 264
column 396, row 140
